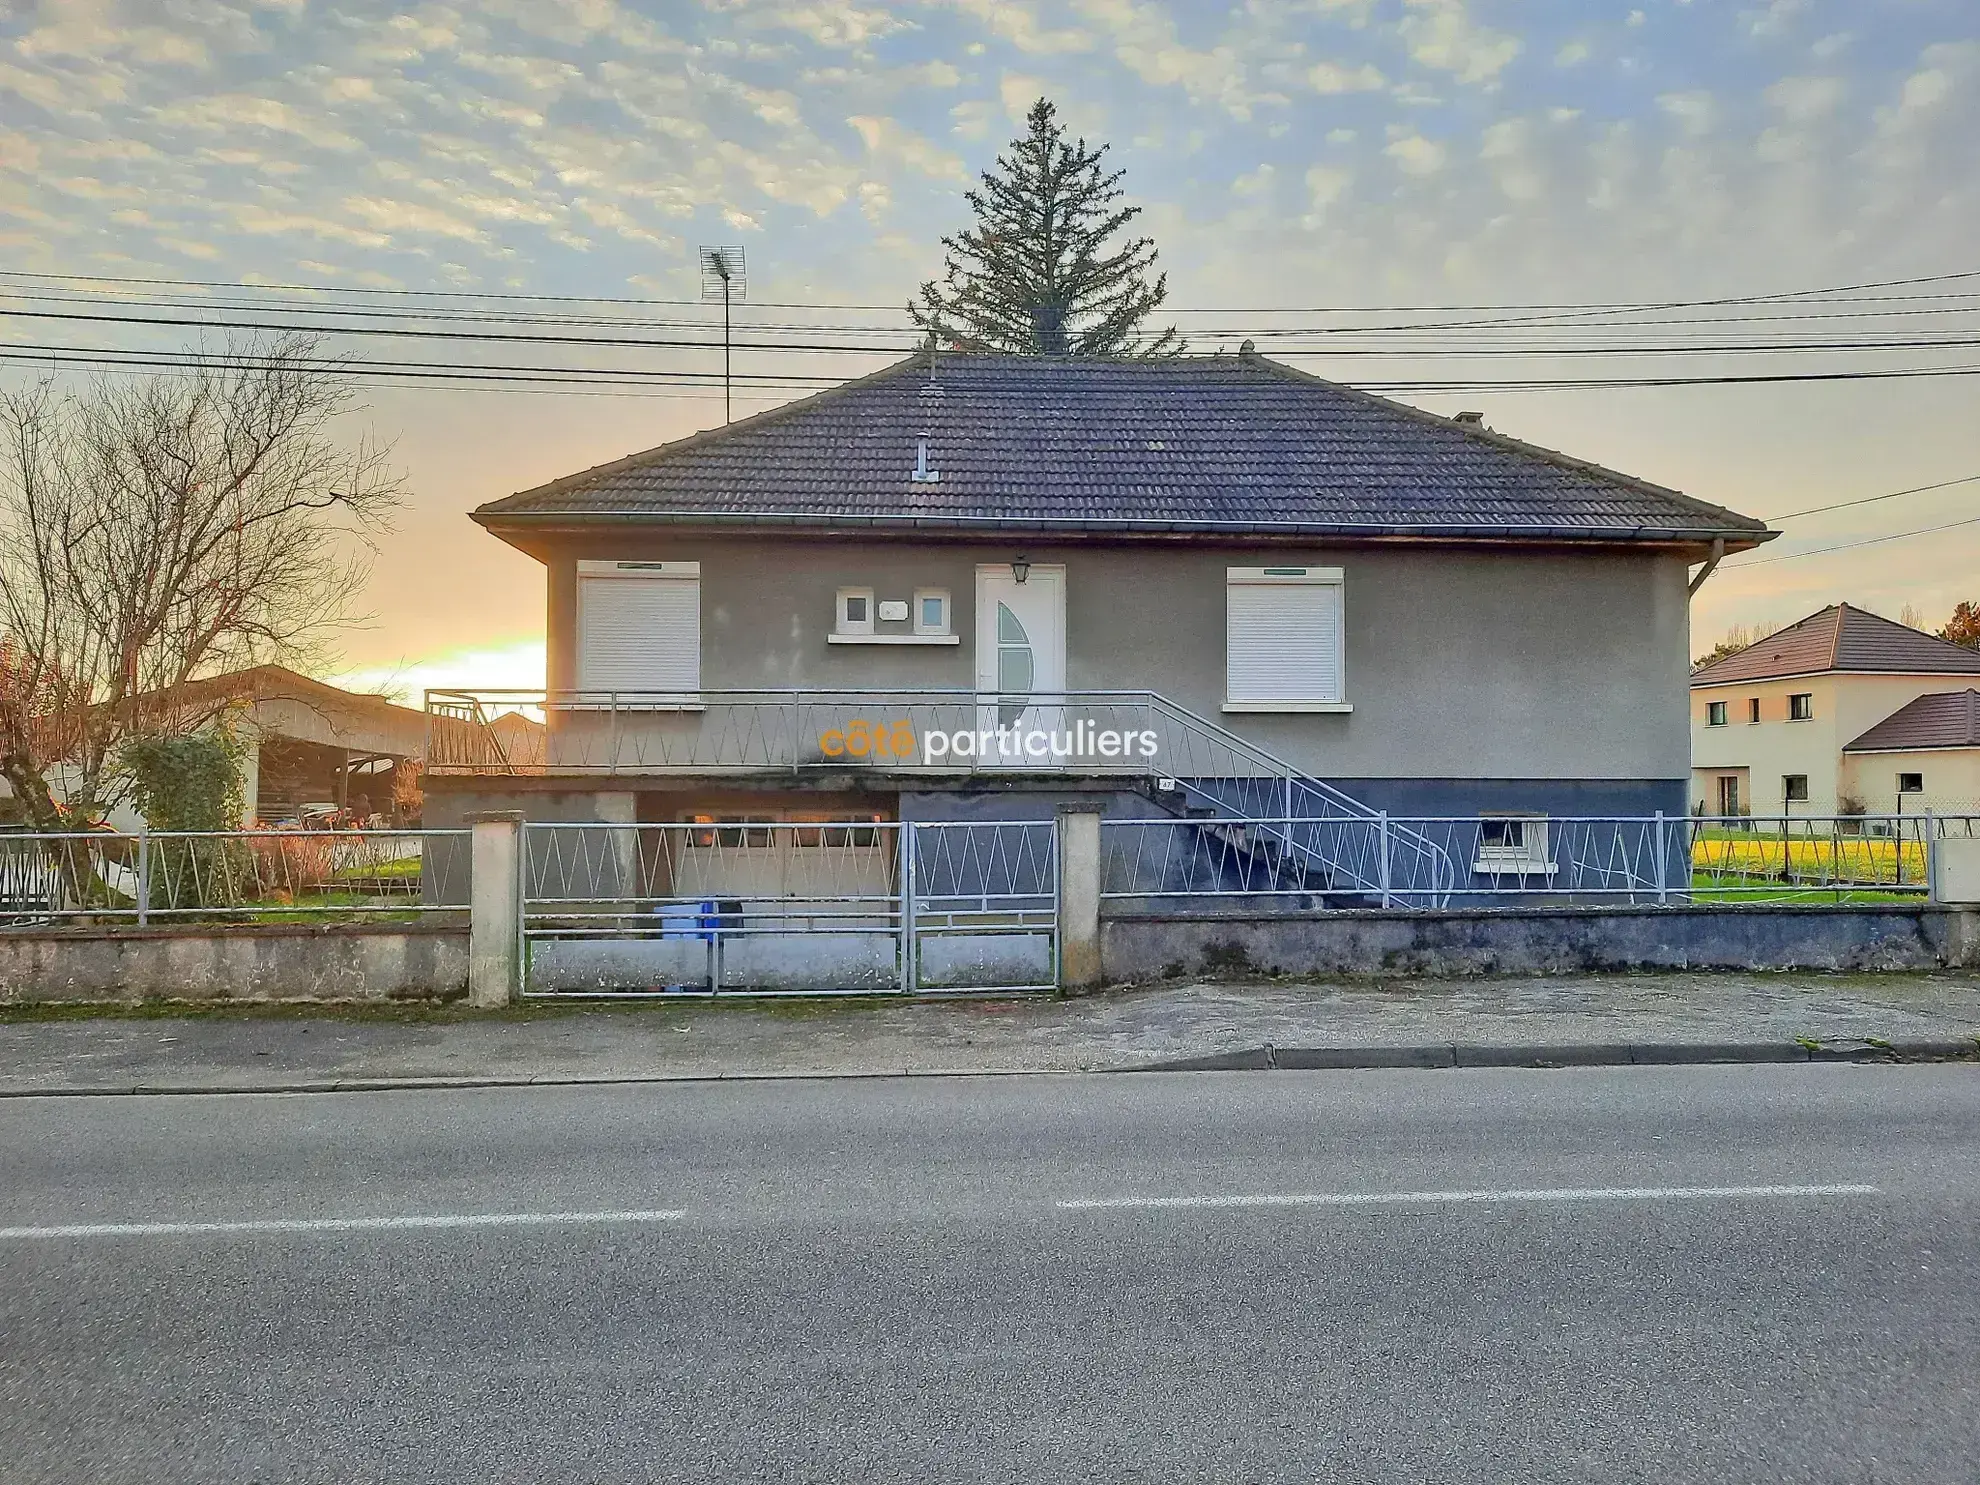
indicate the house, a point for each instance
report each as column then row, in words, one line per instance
column 975, row 586
column 1780, row 727
column 1923, row 756
column 313, row 749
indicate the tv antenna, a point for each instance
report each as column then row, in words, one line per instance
column 725, row 277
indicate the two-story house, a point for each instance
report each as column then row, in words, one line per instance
column 1795, row 724
column 971, row 586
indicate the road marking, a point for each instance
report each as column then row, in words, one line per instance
column 337, row 1224
column 1457, row 1198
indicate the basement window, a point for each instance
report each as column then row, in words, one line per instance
column 1911, row 783
column 1794, row 788
column 1513, row 845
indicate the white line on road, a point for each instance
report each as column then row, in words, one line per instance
column 335, row 1224
column 1453, row 1198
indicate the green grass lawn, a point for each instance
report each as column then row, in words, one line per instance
column 1738, row 888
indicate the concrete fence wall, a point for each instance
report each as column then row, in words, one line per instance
column 1101, row 940
column 1146, row 944
column 218, row 962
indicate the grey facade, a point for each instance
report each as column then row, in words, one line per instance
column 1461, row 663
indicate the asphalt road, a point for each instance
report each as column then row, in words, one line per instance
column 1687, row 1274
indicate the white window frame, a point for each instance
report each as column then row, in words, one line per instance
column 843, row 625
column 1290, row 575
column 592, row 571
column 947, row 626
column 1533, row 858
column 1787, row 788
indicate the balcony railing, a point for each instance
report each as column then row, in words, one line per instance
column 1110, row 733
column 1195, row 765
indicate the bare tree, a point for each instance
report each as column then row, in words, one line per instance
column 157, row 529
column 1736, row 639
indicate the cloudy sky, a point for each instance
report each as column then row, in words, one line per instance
column 1311, row 158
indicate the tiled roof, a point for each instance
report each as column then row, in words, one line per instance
column 1841, row 637
column 1944, row 719
column 1236, row 443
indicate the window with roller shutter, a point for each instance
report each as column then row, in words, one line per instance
column 1284, row 647
column 639, row 626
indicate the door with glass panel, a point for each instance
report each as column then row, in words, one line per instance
column 1021, row 666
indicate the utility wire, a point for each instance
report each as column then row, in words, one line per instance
column 1776, row 297
column 41, row 352
column 1868, row 541
column 827, row 347
column 1795, row 515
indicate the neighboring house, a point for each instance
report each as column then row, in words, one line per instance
column 1776, row 726
column 314, row 748
column 1222, row 584
column 1924, row 756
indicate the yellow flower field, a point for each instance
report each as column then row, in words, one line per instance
column 1857, row 859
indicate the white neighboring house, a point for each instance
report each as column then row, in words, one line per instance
column 315, row 748
column 1924, row 756
column 1778, row 728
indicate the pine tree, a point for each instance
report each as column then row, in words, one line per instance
column 1034, row 276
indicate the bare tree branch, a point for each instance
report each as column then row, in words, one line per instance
column 157, row 530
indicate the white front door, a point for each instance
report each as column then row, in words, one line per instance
column 1020, row 654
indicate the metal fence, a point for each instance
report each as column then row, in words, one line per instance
column 856, row 906
column 1654, row 859
column 242, row 875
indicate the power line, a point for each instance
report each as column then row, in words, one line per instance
column 40, row 352
column 507, row 297
column 450, row 314
column 1795, row 515
column 829, row 348
column 474, row 335
column 1868, row 541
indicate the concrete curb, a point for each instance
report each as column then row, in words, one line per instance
column 1588, row 1054
column 1246, row 1059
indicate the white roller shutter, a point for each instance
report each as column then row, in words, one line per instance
column 1283, row 641
column 639, row 632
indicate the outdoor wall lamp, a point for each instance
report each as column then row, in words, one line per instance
column 1021, row 567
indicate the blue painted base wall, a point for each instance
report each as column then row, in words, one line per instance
column 1421, row 798
column 1562, row 798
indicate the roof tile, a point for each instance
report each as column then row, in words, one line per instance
column 1193, row 443
column 1841, row 637
column 1944, row 719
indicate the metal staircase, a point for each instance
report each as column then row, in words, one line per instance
column 1261, row 803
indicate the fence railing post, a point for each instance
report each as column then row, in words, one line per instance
column 907, row 848
column 144, row 876
column 495, row 908
column 1931, row 851
column 1663, row 863
column 1382, row 856
column 1079, row 896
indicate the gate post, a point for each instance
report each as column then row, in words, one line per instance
column 1079, row 896
column 495, row 908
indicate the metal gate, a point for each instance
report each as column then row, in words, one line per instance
column 759, row 906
